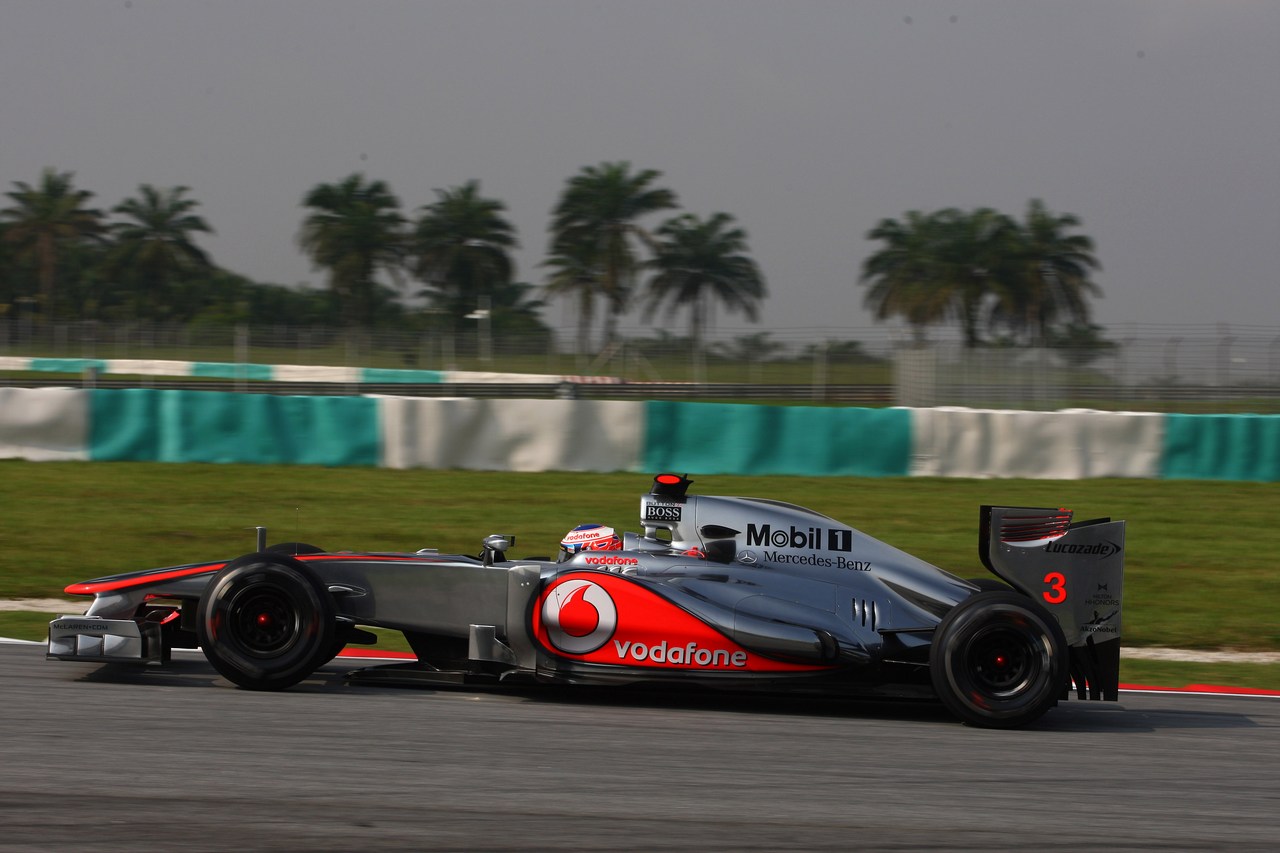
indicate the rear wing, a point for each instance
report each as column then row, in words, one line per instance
column 1075, row 570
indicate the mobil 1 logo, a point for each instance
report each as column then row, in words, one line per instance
column 809, row 538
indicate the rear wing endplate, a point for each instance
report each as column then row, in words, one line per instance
column 1075, row 570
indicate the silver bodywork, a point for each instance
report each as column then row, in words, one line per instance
column 798, row 596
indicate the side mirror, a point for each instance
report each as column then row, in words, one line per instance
column 495, row 547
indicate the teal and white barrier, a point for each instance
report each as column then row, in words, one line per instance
column 1071, row 445
column 274, row 372
column 143, row 424
column 511, row 435
column 46, row 424
column 728, row 438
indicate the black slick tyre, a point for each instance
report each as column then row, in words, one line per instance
column 294, row 548
column 998, row 660
column 266, row 622
column 990, row 585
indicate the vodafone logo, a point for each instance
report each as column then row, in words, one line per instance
column 575, row 537
column 579, row 616
column 609, row 560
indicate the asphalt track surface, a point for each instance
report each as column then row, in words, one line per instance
column 108, row 758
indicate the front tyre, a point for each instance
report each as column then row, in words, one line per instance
column 998, row 660
column 266, row 622
column 293, row 549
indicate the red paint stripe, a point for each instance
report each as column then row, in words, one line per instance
column 113, row 584
column 374, row 653
column 372, row 558
column 1202, row 688
column 93, row 588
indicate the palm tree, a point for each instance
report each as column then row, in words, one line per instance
column 9, row 287
column 517, row 299
column 354, row 231
column 700, row 260
column 1049, row 280
column 975, row 251
column 904, row 277
column 594, row 228
column 980, row 268
column 460, row 247
column 517, row 318
column 573, row 273
column 46, row 220
column 156, row 249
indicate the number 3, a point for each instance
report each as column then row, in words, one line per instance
column 1057, row 591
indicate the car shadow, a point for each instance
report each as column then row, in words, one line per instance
column 1072, row 716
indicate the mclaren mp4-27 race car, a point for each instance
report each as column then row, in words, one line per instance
column 735, row 593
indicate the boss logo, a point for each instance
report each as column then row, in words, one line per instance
column 663, row 512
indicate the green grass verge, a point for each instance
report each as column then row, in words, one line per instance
column 25, row 625
column 1163, row 673
column 1200, row 564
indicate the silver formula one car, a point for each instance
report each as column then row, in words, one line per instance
column 724, row 592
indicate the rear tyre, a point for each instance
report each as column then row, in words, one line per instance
column 266, row 622
column 998, row 660
column 990, row 585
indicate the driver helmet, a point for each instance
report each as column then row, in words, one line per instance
column 590, row 537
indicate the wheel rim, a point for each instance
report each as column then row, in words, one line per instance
column 263, row 620
column 1003, row 661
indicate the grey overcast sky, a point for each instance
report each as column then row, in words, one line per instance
column 1157, row 122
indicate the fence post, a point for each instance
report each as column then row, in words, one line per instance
column 820, row 370
column 242, row 355
column 1171, row 360
column 1224, row 361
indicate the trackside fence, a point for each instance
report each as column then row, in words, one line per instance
column 1137, row 367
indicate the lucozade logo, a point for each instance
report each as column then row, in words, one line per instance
column 579, row 616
